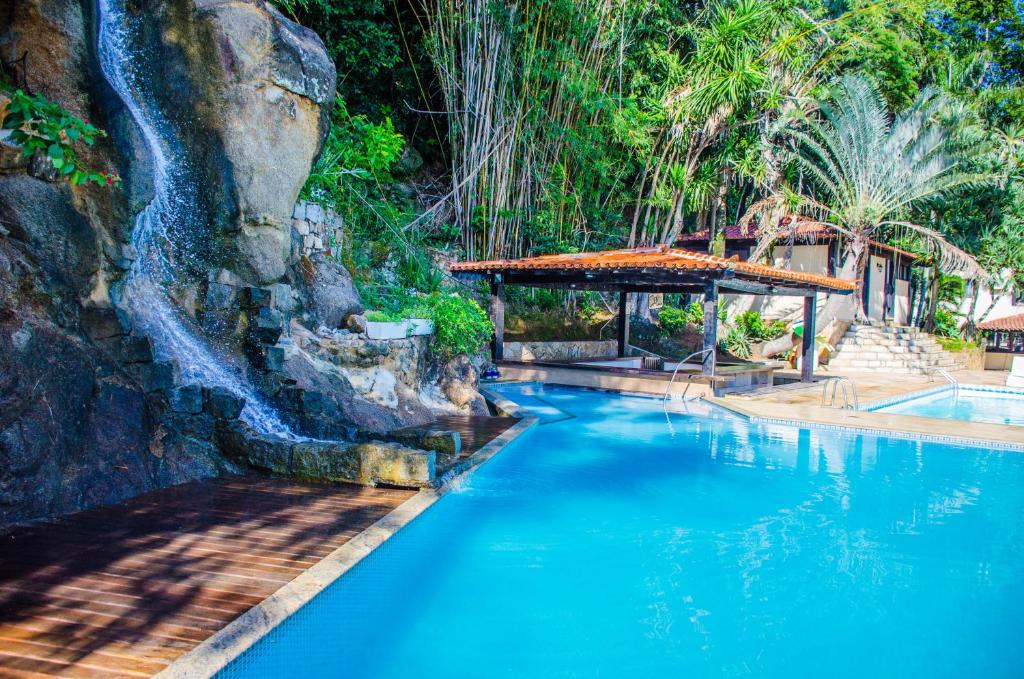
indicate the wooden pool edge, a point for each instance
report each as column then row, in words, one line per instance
column 230, row 642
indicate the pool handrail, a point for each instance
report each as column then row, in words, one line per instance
column 836, row 382
column 668, row 389
column 942, row 372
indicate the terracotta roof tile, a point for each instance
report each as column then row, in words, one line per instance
column 661, row 257
column 1005, row 324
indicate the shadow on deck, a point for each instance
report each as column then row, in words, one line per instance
column 126, row 589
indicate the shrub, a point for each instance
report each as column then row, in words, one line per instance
column 672, row 320
column 460, row 326
column 736, row 342
column 754, row 326
column 675, row 320
column 695, row 313
column 955, row 344
column 947, row 323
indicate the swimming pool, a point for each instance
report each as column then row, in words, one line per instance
column 975, row 404
column 618, row 540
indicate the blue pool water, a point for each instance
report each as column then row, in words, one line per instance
column 975, row 405
column 620, row 541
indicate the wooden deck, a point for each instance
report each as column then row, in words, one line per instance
column 124, row 590
column 476, row 431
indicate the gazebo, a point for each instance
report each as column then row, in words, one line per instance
column 654, row 270
column 1005, row 334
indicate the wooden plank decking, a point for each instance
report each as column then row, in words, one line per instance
column 476, row 431
column 124, row 590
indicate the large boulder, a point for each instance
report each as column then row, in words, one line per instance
column 331, row 293
column 251, row 93
column 62, row 240
column 459, row 383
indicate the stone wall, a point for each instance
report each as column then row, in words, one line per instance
column 970, row 359
column 559, row 351
column 316, row 230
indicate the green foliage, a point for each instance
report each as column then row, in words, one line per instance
column 417, row 270
column 461, row 326
column 736, row 342
column 947, row 323
column 39, row 125
column 955, row 344
column 675, row 320
column 754, row 326
column 383, row 316
column 672, row 320
column 357, row 152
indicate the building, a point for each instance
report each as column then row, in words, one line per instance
column 817, row 249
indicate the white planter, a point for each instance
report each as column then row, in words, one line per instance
column 420, row 326
column 387, row 330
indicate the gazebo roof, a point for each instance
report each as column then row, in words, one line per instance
column 652, row 268
column 1006, row 324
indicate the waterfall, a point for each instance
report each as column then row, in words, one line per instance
column 163, row 222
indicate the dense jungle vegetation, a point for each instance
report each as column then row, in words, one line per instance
column 481, row 129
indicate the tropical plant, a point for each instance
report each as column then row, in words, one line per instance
column 41, row 126
column 736, row 342
column 755, row 327
column 947, row 323
column 867, row 169
column 461, row 326
column 750, row 60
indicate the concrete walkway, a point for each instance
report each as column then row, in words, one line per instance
column 870, row 386
column 798, row 404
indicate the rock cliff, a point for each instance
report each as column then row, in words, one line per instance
column 90, row 411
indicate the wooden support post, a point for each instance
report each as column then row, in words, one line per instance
column 710, row 327
column 623, row 330
column 497, row 312
column 807, row 353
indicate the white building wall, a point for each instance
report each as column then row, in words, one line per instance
column 1004, row 304
column 807, row 259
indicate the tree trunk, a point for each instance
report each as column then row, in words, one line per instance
column 970, row 329
column 859, row 248
column 933, row 299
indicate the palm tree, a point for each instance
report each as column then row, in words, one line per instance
column 748, row 59
column 865, row 169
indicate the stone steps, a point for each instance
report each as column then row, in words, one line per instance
column 870, row 348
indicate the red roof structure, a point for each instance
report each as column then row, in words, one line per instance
column 654, row 269
column 1006, row 324
column 619, row 264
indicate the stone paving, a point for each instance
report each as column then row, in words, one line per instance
column 797, row 405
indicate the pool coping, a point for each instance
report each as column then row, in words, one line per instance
column 872, row 406
column 870, row 423
column 218, row 651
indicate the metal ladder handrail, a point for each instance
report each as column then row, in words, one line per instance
column 668, row 389
column 836, row 382
column 942, row 372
